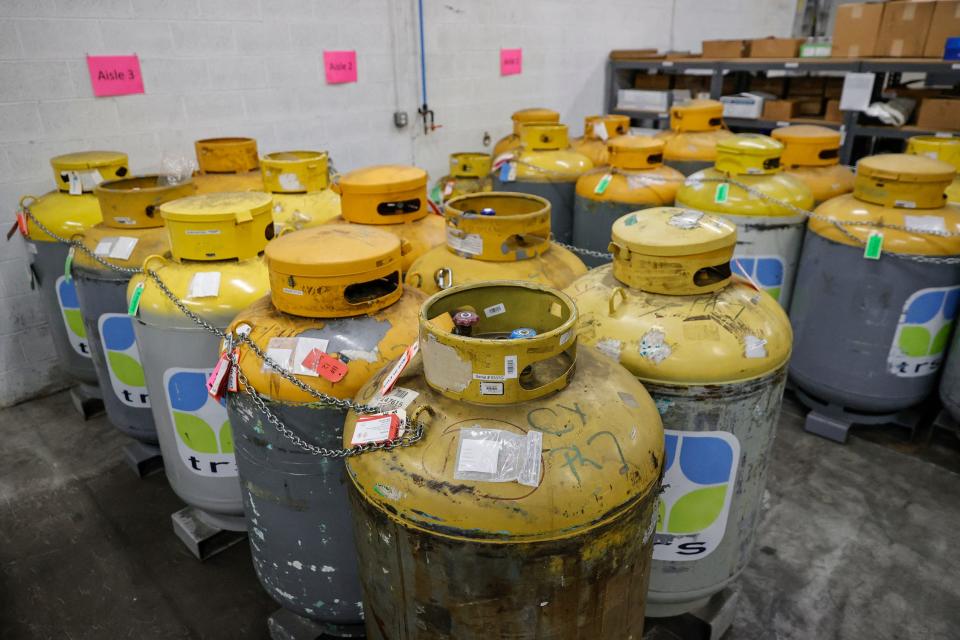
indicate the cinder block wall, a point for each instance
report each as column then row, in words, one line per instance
column 254, row 68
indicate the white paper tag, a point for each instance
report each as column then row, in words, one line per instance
column 93, row 178
column 470, row 243
column 202, row 232
column 293, row 292
column 302, row 350
column 491, row 388
column 372, row 430
column 942, row 134
column 495, row 310
column 924, row 223
column 204, row 284
column 566, row 336
column 103, row 247
column 398, row 368
column 479, row 456
column 290, row 182
column 398, row 399
column 280, row 355
column 857, row 91
column 755, row 347
column 76, row 185
column 123, row 220
column 600, row 130
column 509, row 367
column 123, row 247
column 905, row 204
column 791, row 65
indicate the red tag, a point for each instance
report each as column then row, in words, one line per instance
column 398, row 368
column 331, row 368
column 312, row 361
column 375, row 429
column 217, row 382
column 22, row 222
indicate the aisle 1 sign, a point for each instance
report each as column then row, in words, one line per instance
column 511, row 62
column 340, row 66
column 115, row 75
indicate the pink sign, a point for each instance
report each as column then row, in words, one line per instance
column 115, row 75
column 511, row 62
column 340, row 66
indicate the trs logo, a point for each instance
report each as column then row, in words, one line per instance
column 923, row 332
column 204, row 438
column 701, row 468
column 72, row 320
column 123, row 359
column 766, row 271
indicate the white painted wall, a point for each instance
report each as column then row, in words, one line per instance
column 253, row 68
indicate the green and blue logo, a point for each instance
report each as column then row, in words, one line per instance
column 72, row 320
column 204, row 437
column 123, row 359
column 923, row 332
column 701, row 470
column 766, row 271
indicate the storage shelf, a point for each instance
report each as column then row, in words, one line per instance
column 947, row 69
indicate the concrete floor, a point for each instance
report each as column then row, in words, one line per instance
column 856, row 542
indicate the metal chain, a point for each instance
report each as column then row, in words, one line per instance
column 404, row 441
column 584, row 252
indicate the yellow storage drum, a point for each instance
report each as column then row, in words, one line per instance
column 812, row 154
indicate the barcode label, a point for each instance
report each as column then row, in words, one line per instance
column 510, row 367
column 495, row 310
column 399, row 398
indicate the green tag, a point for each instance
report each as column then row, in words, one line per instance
column 874, row 246
column 723, row 190
column 632, row 220
column 603, row 184
column 67, row 274
column 135, row 299
column 435, row 194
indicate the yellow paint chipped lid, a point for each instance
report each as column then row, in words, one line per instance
column 903, row 180
column 227, row 155
column 697, row 115
column 135, row 202
column 635, row 152
column 498, row 226
column 536, row 114
column 383, row 179
column 943, row 149
column 614, row 125
column 807, row 145
column 295, row 171
column 469, row 164
column 470, row 354
column 749, row 154
column 672, row 250
column 540, row 136
column 217, row 207
column 89, row 168
column 219, row 226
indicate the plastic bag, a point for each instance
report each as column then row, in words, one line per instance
column 176, row 169
column 494, row 455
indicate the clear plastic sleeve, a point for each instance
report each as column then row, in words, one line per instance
column 494, row 455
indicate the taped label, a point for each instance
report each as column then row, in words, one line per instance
column 495, row 310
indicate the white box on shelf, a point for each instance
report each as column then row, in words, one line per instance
column 743, row 105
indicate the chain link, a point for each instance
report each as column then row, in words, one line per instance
column 416, row 431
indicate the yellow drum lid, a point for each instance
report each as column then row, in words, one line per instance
column 807, row 145
column 697, row 115
column 135, row 202
column 227, row 155
column 468, row 164
column 91, row 167
column 460, row 367
column 518, row 229
column 748, row 153
column 533, row 114
column 219, row 226
column 383, row 179
column 544, row 137
column 295, row 171
column 943, row 149
column 903, row 180
column 613, row 125
column 635, row 152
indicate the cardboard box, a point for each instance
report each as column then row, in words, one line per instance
column 832, row 112
column 726, row 48
column 806, row 86
column 856, row 28
column 939, row 114
column 651, row 81
column 634, row 54
column 810, row 107
column 904, row 29
column 779, row 109
column 774, row 86
column 945, row 24
column 743, row 105
column 833, row 87
column 776, row 47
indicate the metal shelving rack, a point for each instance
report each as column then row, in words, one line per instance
column 620, row 76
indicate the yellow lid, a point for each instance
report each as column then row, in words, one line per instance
column 383, row 194
column 498, row 227
column 227, row 155
column 943, row 149
column 334, row 270
column 615, row 125
column 808, row 145
column 133, row 202
column 748, row 154
column 295, row 171
column 461, row 366
column 672, row 250
column 544, row 137
column 902, row 180
column 635, row 152
column 89, row 168
column 219, row 226
column 533, row 114
column 697, row 115
column 383, row 179
column 468, row 164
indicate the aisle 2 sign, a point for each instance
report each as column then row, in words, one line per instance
column 340, row 66
column 511, row 62
column 115, row 75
